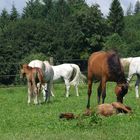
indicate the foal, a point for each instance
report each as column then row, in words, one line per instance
column 34, row 79
column 106, row 66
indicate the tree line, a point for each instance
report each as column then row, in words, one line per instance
column 65, row 29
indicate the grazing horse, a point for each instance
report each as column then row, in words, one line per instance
column 70, row 73
column 106, row 66
column 35, row 80
column 134, row 69
column 126, row 61
column 48, row 74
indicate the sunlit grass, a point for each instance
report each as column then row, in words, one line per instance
column 18, row 120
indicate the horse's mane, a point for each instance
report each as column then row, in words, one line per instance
column 115, row 67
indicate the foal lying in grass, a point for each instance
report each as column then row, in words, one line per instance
column 103, row 110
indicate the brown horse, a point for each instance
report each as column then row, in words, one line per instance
column 106, row 66
column 34, row 79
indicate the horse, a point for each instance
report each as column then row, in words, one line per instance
column 70, row 73
column 134, row 69
column 113, row 108
column 102, row 110
column 106, row 66
column 34, row 79
column 47, row 76
column 126, row 62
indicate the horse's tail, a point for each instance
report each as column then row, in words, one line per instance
column 78, row 77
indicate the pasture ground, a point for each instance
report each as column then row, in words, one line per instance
column 20, row 121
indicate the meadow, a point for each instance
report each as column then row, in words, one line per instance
column 20, row 121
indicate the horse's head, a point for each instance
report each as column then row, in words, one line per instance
column 121, row 90
column 23, row 69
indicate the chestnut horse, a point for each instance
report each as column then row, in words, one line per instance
column 106, row 66
column 34, row 79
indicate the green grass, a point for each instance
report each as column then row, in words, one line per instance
column 18, row 120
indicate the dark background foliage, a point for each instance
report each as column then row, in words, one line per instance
column 64, row 29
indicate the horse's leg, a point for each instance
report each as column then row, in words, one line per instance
column 51, row 88
column 67, row 84
column 43, row 92
column 52, row 93
column 29, row 92
column 137, row 86
column 89, row 92
column 36, row 94
column 76, row 88
column 99, row 93
column 39, row 86
column 130, row 75
column 48, row 91
column 103, row 82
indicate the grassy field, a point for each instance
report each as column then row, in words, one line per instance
column 20, row 121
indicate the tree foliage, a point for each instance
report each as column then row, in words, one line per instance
column 14, row 14
column 63, row 29
column 137, row 7
column 129, row 10
column 116, row 18
column 4, row 18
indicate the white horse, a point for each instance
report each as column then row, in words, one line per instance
column 134, row 69
column 48, row 74
column 70, row 73
column 126, row 61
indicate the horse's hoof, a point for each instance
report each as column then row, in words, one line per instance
column 36, row 103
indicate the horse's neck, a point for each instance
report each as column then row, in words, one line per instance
column 35, row 63
column 121, row 80
column 29, row 74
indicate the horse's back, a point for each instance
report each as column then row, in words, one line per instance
column 36, row 63
column 135, row 66
column 126, row 61
column 46, row 68
column 105, row 65
column 62, row 70
column 97, row 63
column 63, row 67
